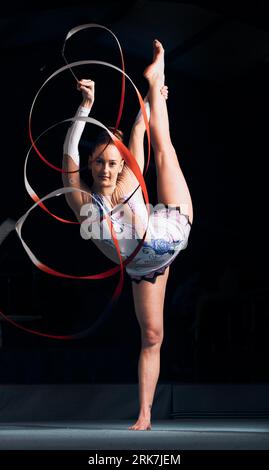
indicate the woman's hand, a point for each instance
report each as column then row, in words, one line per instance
column 87, row 89
column 139, row 121
column 164, row 91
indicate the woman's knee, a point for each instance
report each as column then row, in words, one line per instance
column 165, row 155
column 152, row 337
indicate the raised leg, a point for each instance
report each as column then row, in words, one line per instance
column 149, row 302
column 171, row 184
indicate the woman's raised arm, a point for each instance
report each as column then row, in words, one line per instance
column 70, row 149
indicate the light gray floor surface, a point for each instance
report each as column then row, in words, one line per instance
column 165, row 434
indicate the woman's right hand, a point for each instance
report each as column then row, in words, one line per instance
column 87, row 89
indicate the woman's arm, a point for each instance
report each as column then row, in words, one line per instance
column 70, row 150
column 136, row 141
column 127, row 181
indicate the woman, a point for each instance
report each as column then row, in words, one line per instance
column 113, row 182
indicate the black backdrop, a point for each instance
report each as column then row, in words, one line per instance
column 216, row 312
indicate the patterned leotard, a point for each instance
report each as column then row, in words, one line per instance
column 166, row 235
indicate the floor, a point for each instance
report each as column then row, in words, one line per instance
column 165, row 434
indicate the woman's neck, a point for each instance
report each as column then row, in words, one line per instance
column 103, row 191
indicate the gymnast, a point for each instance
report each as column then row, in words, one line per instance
column 167, row 228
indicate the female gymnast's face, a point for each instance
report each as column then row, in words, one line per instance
column 105, row 164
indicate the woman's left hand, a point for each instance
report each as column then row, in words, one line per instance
column 164, row 91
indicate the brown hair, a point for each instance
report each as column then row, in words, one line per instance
column 104, row 138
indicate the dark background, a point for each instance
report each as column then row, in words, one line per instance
column 216, row 312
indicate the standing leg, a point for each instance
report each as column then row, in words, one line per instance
column 149, row 302
column 173, row 190
column 171, row 184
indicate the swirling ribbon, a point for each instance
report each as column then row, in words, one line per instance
column 130, row 161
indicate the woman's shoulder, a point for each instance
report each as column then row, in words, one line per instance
column 134, row 195
column 86, row 197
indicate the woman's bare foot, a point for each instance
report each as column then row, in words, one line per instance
column 156, row 69
column 142, row 424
